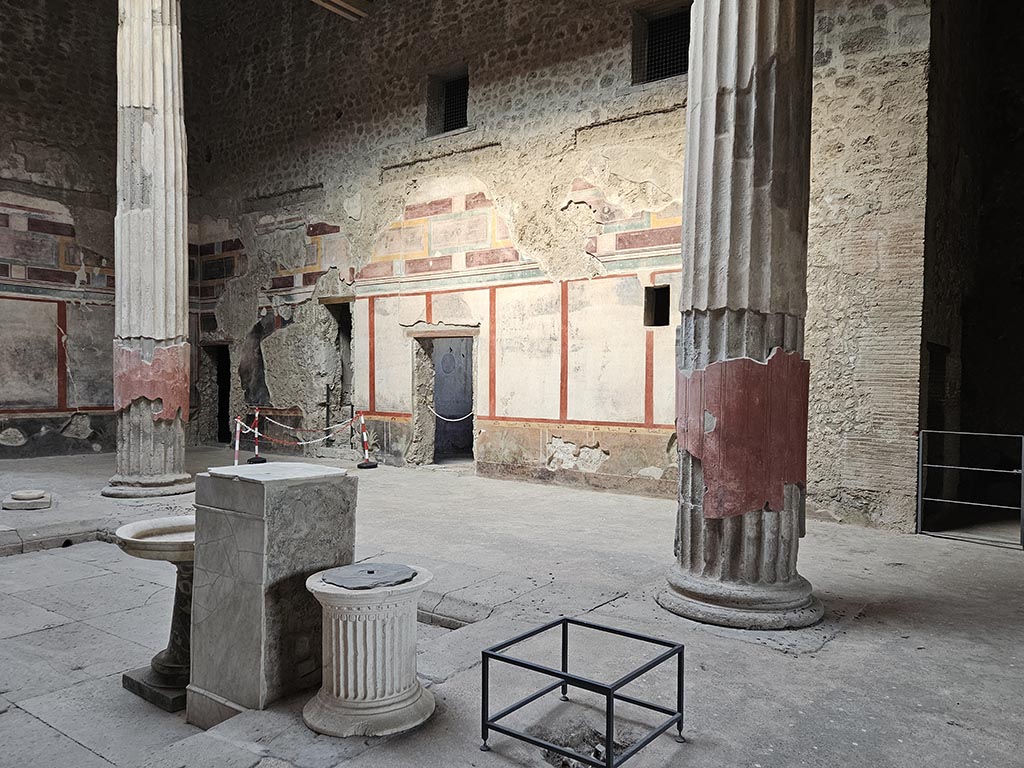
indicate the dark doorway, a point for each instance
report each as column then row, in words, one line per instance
column 342, row 384
column 453, row 397
column 972, row 355
column 222, row 357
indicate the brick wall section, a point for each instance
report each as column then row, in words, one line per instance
column 866, row 257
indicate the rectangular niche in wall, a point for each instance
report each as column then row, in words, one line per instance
column 448, row 102
column 657, row 305
column 661, row 41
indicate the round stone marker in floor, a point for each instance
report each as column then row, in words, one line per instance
column 27, row 499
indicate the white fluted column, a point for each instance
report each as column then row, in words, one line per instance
column 151, row 351
column 369, row 687
column 742, row 380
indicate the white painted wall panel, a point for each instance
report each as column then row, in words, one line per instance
column 528, row 352
column 606, row 350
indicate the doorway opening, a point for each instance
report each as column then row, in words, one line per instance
column 338, row 394
column 442, row 404
column 453, row 399
column 972, row 354
column 222, row 360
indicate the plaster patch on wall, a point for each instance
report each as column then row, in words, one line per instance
column 162, row 379
column 655, row 473
column 79, row 427
column 13, row 437
column 563, row 454
column 746, row 422
column 628, row 180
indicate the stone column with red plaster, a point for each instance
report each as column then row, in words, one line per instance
column 151, row 351
column 742, row 380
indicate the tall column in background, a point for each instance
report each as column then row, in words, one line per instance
column 151, row 351
column 742, row 380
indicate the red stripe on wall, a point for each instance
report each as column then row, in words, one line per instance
column 658, row 273
column 62, row 356
column 473, row 288
column 372, row 343
column 49, row 411
column 578, row 423
column 429, row 300
column 563, row 405
column 492, row 353
column 575, row 422
column 649, row 379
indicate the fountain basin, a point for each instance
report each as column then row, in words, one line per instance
column 172, row 539
column 164, row 538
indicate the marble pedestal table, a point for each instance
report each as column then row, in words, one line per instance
column 369, row 686
column 261, row 530
column 172, row 539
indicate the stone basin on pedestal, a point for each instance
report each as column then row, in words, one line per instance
column 171, row 539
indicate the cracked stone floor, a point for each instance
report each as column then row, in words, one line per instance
column 917, row 663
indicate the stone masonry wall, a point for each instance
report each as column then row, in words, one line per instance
column 57, row 147
column 311, row 169
column 866, row 254
column 318, row 120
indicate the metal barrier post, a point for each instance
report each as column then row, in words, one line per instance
column 960, row 466
column 920, row 479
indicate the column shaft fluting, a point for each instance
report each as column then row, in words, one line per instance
column 151, row 351
column 742, row 384
column 369, row 683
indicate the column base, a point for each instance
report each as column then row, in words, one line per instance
column 335, row 717
column 143, row 683
column 140, row 489
column 205, row 710
column 787, row 605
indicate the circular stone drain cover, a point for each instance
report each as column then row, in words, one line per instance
column 32, row 495
column 369, row 575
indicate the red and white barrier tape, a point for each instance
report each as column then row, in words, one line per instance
column 366, row 438
column 265, row 436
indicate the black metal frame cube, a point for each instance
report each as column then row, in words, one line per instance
column 564, row 680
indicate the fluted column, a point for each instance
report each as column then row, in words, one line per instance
column 742, row 379
column 369, row 684
column 151, row 351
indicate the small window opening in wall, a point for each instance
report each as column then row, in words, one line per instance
column 447, row 102
column 661, row 42
column 656, row 305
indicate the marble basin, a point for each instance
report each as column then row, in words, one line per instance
column 164, row 538
column 172, row 539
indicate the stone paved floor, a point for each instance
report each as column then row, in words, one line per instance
column 917, row 663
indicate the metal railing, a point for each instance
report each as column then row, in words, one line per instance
column 931, row 473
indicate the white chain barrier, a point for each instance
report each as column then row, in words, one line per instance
column 339, row 425
column 445, row 418
column 264, row 435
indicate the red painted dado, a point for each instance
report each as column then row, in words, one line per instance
column 50, row 227
column 747, row 424
column 492, row 256
column 477, row 200
column 376, row 269
column 436, row 264
column 321, row 228
column 165, row 379
column 648, row 238
column 433, row 208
